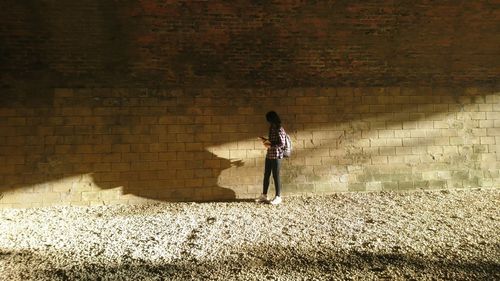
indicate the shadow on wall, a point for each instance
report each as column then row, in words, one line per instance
column 275, row 261
column 189, row 180
column 367, row 139
column 157, row 186
column 163, row 181
column 60, row 147
column 153, row 144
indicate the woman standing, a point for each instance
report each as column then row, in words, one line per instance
column 274, row 144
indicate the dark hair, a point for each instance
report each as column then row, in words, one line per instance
column 273, row 118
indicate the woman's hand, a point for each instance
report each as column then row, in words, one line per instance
column 267, row 143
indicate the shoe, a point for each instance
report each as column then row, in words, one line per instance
column 262, row 198
column 276, row 200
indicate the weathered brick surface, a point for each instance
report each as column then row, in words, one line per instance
column 201, row 145
column 248, row 43
column 123, row 102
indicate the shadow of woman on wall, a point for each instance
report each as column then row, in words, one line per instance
column 191, row 180
column 59, row 164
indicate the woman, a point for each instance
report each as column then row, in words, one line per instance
column 274, row 144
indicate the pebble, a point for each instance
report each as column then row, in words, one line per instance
column 428, row 235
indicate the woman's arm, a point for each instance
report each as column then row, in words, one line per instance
column 281, row 139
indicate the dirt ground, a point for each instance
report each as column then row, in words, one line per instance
column 423, row 235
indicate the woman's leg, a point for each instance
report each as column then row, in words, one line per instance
column 276, row 175
column 267, row 174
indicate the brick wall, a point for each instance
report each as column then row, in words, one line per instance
column 121, row 102
column 110, row 145
column 249, row 43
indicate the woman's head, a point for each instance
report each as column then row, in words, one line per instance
column 273, row 118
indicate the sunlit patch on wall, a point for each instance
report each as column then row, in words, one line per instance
column 72, row 190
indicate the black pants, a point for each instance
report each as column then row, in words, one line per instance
column 272, row 165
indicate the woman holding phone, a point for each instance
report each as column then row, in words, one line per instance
column 275, row 142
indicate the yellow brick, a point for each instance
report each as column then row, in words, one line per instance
column 84, row 186
column 412, row 159
column 319, row 118
column 381, row 125
column 493, row 131
column 299, row 161
column 409, row 142
column 379, row 159
column 431, row 133
column 394, row 142
column 238, row 154
column 425, row 124
column 255, row 153
column 409, row 125
column 487, row 140
column 385, row 133
column 479, row 132
column 373, row 186
column 401, row 133
column 396, row 159
column 378, row 142
column 386, row 151
column 485, row 107
column 361, row 143
column 304, row 135
column 14, row 198
column 366, row 134
column 434, row 149
column 107, row 195
column 79, row 203
column 450, row 149
column 61, row 187
column 72, row 197
column 418, row 133
column 418, row 150
column 90, row 195
column 96, row 203
column 249, row 144
column 493, row 115
column 22, row 205
column 312, row 161
column 318, row 135
column 457, row 140
column 321, row 151
column 114, row 202
column 6, row 206
column 50, row 197
column 477, row 115
column 441, row 141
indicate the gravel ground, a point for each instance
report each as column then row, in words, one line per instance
column 424, row 235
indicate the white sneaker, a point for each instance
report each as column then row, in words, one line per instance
column 276, row 200
column 262, row 198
